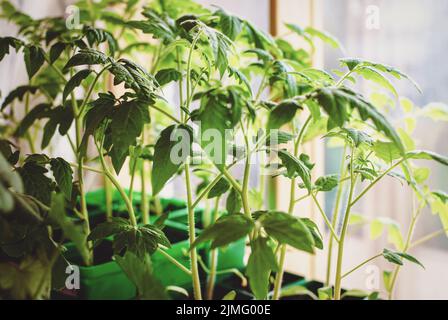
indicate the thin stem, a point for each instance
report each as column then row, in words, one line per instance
column 292, row 202
column 378, row 179
column 192, row 235
column 335, row 215
column 205, row 192
column 324, row 216
column 338, row 280
column 166, row 114
column 246, row 177
column 108, row 191
column 90, row 91
column 213, row 258
column 407, row 245
column 345, row 77
column 175, row 262
column 117, row 185
column 427, row 238
column 361, row 265
column 131, row 184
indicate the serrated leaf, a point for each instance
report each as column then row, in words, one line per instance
column 353, row 63
column 327, row 183
column 38, row 112
column 87, row 57
column 282, row 114
column 18, row 93
column 140, row 273
column 233, row 203
column 225, row 230
column 230, row 25
column 259, row 266
column 126, row 126
column 166, row 76
column 174, row 139
column 56, row 51
column 63, row 174
column 371, row 74
column 35, row 181
column 386, row 151
column 220, row 188
column 427, row 155
column 74, row 82
column 287, row 229
column 295, row 167
column 34, row 59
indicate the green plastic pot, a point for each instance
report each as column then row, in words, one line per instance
column 230, row 257
column 107, row 281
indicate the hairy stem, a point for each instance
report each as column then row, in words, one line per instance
column 213, row 258
column 335, row 216
column 338, row 280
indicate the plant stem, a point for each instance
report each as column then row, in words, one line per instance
column 352, row 203
column 324, row 216
column 361, row 265
column 175, row 262
column 337, row 285
column 192, row 235
column 406, row 247
column 292, row 202
column 213, row 259
column 117, row 185
column 108, row 191
column 335, row 216
column 246, row 177
column 80, row 162
column 144, row 198
column 428, row 238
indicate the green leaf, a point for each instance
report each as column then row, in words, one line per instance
column 87, row 57
column 109, row 228
column 287, row 229
column 100, row 109
column 97, row 36
column 38, row 112
column 234, row 203
column 126, row 126
column 18, row 93
column 427, row 155
column 60, row 118
column 166, row 76
column 167, row 160
column 259, row 266
column 74, row 82
column 6, row 43
column 387, row 278
column 218, row 113
column 34, row 59
column 230, row 296
column 386, row 151
column 282, row 114
column 396, row 257
column 35, row 181
column 357, row 63
column 327, row 183
column 278, row 137
column 225, row 230
column 140, row 273
column 56, row 50
column 324, row 36
column 295, row 167
column 325, row 293
column 230, row 25
column 371, row 74
column 314, row 229
column 221, row 187
column 134, row 77
column 338, row 101
column 297, row 290
column 220, row 45
column 410, row 258
column 63, row 174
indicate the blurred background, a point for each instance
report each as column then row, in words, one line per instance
column 408, row 34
